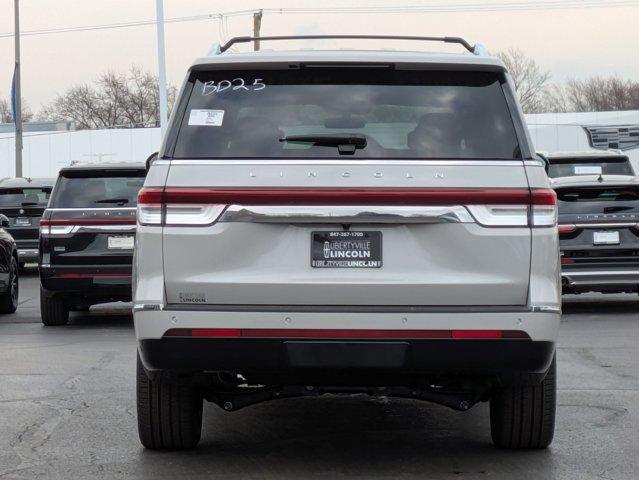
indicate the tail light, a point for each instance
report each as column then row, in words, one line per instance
column 544, row 208
column 541, row 211
column 491, row 207
column 565, row 229
column 68, row 226
column 157, row 206
column 47, row 227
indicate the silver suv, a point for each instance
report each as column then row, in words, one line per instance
column 342, row 222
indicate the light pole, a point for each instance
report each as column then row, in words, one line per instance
column 17, row 92
column 159, row 19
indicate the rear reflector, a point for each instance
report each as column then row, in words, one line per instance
column 477, row 334
column 343, row 334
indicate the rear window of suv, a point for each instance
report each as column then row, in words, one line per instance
column 570, row 169
column 24, row 197
column 307, row 112
column 613, row 199
column 97, row 189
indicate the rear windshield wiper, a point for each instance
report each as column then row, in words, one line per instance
column 346, row 143
column 113, row 200
column 29, row 204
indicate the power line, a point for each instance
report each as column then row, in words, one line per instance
column 468, row 6
column 85, row 28
column 434, row 8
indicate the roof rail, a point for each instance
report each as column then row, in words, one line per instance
column 471, row 48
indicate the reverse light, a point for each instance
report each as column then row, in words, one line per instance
column 539, row 211
column 544, row 208
column 500, row 215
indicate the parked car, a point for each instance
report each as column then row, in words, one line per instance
column 87, row 236
column 598, row 234
column 23, row 200
column 9, row 276
column 342, row 222
column 569, row 164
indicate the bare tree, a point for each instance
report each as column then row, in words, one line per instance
column 555, row 99
column 6, row 114
column 115, row 99
column 529, row 79
column 602, row 94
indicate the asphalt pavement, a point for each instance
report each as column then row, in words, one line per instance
column 67, row 411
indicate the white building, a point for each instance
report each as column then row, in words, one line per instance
column 46, row 152
column 557, row 132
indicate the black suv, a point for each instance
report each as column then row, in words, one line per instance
column 87, row 236
column 23, row 201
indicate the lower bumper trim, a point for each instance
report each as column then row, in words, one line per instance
column 437, row 356
column 600, row 277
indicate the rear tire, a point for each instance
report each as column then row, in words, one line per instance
column 53, row 310
column 169, row 415
column 9, row 299
column 523, row 416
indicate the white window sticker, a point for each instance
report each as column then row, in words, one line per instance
column 588, row 169
column 208, row 118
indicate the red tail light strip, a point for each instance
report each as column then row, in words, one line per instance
column 348, row 196
column 543, row 196
column 567, row 228
column 76, row 275
column 343, row 334
column 88, row 221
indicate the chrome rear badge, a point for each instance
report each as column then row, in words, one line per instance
column 191, row 297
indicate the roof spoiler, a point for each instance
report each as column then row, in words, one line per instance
column 477, row 49
column 593, row 159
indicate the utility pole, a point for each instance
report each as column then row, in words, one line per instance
column 164, row 108
column 257, row 24
column 17, row 92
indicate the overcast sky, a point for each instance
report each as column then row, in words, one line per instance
column 571, row 42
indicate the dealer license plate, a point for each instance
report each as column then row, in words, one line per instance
column 606, row 238
column 120, row 243
column 346, row 249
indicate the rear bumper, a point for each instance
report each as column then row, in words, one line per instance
column 460, row 357
column 27, row 253
column 603, row 277
column 27, row 249
column 476, row 356
column 96, row 283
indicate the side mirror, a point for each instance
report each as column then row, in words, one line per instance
column 4, row 221
column 542, row 158
column 151, row 158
